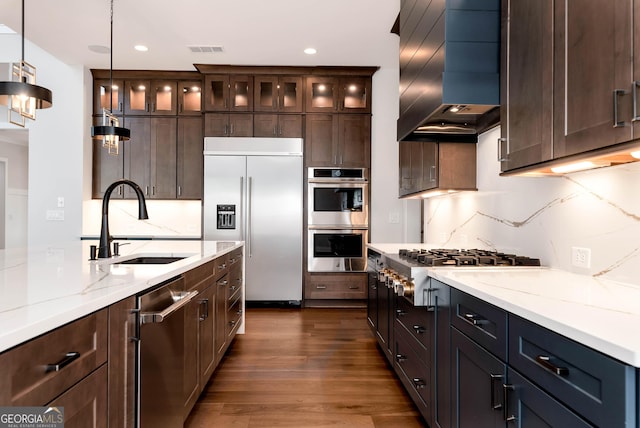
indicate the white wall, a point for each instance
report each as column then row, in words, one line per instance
column 56, row 144
column 546, row 216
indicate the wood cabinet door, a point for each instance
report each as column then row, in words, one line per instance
column 216, row 125
column 265, row 93
column 321, row 94
column 265, row 125
column 137, row 152
column 354, row 140
column 206, row 328
column 526, row 83
column 290, row 125
column 189, row 168
column 102, row 95
column 290, row 94
column 406, row 185
column 240, row 93
column 220, row 316
column 216, row 92
column 136, row 97
column 354, row 95
column 122, row 356
column 321, row 137
column 191, row 386
column 162, row 158
column 163, row 98
column 241, row 125
column 592, row 93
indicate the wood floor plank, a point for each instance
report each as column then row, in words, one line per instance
column 304, row 368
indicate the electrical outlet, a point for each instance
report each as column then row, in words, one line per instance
column 581, row 257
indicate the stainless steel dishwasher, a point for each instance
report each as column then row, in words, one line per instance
column 161, row 354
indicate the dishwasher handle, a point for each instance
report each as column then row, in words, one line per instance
column 157, row 317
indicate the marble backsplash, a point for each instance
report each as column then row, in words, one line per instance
column 545, row 217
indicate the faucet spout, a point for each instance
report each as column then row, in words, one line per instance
column 104, row 251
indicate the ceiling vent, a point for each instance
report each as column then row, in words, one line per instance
column 205, row 49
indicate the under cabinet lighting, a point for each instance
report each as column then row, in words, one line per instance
column 635, row 154
column 578, row 166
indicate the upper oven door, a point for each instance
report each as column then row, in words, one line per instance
column 338, row 203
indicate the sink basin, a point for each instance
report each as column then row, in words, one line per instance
column 150, row 260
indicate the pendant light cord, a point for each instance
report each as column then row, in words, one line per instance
column 110, row 62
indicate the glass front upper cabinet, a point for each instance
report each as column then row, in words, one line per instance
column 103, row 89
column 190, row 97
column 338, row 95
column 278, row 94
column 228, row 93
column 155, row 97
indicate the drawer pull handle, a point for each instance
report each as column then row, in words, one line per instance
column 494, row 405
column 419, row 329
column 353, row 287
column 419, row 383
column 474, row 319
column 68, row 359
column 545, row 362
column 321, row 287
column 400, row 312
column 400, row 358
column 507, row 417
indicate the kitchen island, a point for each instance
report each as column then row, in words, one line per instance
column 70, row 327
column 559, row 344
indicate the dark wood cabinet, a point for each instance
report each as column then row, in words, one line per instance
column 278, row 94
column 567, row 81
column 338, row 140
column 526, row 105
column 320, row 286
column 593, row 75
column 228, row 92
column 189, row 158
column 150, row 157
column 121, row 363
column 345, row 94
column 150, row 97
column 277, row 125
column 426, row 166
column 228, row 125
column 107, row 168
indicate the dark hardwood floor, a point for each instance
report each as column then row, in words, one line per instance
column 304, row 368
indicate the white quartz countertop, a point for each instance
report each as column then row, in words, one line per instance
column 599, row 313
column 42, row 288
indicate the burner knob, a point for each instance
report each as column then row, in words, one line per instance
column 405, row 288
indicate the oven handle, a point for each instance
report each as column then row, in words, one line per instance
column 340, row 227
column 159, row 316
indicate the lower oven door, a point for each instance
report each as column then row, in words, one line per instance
column 337, row 250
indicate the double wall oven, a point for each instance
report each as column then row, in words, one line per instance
column 337, row 219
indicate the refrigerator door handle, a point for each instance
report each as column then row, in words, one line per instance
column 241, row 210
column 249, row 196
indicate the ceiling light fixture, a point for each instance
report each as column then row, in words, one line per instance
column 21, row 95
column 110, row 132
column 310, row 51
column 141, row 48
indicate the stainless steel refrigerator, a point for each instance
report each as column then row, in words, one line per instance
column 253, row 192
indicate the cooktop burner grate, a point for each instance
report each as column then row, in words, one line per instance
column 471, row 257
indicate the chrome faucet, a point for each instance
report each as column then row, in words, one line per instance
column 104, row 251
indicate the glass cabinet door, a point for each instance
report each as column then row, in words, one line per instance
column 322, row 94
column 355, row 93
column 137, row 97
column 274, row 93
column 216, row 92
column 190, row 97
column 240, row 93
column 103, row 94
column 163, row 97
column 266, row 93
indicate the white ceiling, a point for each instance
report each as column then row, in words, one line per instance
column 251, row 32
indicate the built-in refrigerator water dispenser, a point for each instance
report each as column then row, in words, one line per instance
column 226, row 216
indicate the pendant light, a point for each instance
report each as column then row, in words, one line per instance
column 110, row 131
column 21, row 95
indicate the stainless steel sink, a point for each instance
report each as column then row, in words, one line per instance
column 150, row 260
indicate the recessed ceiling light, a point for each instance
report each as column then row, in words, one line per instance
column 310, row 51
column 141, row 48
column 99, row 49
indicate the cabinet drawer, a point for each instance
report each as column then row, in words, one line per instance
column 85, row 404
column 347, row 286
column 592, row 384
column 481, row 321
column 221, row 265
column 235, row 283
column 196, row 276
column 412, row 363
column 27, row 373
column 416, row 320
column 234, row 257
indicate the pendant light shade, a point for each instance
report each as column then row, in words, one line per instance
column 21, row 95
column 110, row 132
